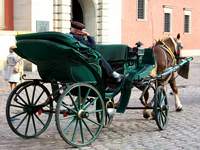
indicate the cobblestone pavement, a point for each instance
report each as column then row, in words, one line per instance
column 128, row 131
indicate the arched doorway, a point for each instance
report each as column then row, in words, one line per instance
column 85, row 12
column 77, row 12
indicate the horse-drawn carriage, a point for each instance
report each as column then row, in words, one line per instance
column 78, row 87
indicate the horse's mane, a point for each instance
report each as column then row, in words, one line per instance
column 168, row 41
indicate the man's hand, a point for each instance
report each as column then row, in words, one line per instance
column 84, row 32
column 79, row 32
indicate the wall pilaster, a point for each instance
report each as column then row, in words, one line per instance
column 62, row 15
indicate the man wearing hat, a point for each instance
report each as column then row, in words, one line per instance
column 79, row 33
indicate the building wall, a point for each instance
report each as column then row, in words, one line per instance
column 28, row 12
column 8, row 12
column 1, row 14
column 6, row 39
column 22, row 15
column 41, row 15
column 110, row 24
column 152, row 28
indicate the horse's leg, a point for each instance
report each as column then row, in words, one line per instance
column 178, row 104
column 146, row 113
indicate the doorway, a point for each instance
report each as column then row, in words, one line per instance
column 84, row 11
column 77, row 12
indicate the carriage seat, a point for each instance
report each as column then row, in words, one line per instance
column 114, row 52
column 145, row 65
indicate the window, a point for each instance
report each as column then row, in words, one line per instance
column 141, row 9
column 167, row 22
column 187, row 21
column 167, row 19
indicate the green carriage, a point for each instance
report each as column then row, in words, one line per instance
column 78, row 87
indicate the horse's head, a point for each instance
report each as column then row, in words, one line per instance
column 178, row 44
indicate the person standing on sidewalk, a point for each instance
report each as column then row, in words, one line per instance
column 12, row 72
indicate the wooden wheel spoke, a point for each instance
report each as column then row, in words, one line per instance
column 13, row 117
column 33, row 95
column 73, row 102
column 79, row 97
column 68, row 108
column 95, row 111
column 27, row 125
column 34, row 125
column 71, row 121
column 88, row 128
column 39, row 120
column 17, row 106
column 164, row 115
column 160, row 119
column 81, row 130
column 93, row 122
column 86, row 95
column 39, row 97
column 27, row 96
column 21, row 121
column 16, row 100
column 74, row 132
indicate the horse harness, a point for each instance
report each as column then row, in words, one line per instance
column 164, row 46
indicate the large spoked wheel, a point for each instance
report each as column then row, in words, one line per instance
column 26, row 115
column 76, row 118
column 161, row 108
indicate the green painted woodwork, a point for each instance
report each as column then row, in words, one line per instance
column 80, row 117
column 113, row 52
column 139, row 69
column 161, row 107
column 142, row 67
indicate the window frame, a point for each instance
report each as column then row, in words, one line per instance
column 144, row 11
column 187, row 12
column 167, row 10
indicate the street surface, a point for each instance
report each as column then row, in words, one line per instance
column 128, row 131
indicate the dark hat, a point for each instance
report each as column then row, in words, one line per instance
column 138, row 44
column 77, row 25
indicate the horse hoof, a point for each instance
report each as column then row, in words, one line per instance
column 146, row 115
column 116, row 105
column 153, row 115
column 179, row 109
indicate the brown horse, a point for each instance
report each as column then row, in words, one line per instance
column 166, row 52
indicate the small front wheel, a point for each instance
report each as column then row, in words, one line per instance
column 161, row 107
column 76, row 114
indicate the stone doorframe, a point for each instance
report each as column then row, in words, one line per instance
column 62, row 15
column 97, row 16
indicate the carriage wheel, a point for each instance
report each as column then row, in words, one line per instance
column 161, row 108
column 76, row 111
column 25, row 115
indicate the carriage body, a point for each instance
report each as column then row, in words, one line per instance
column 58, row 58
column 83, row 99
